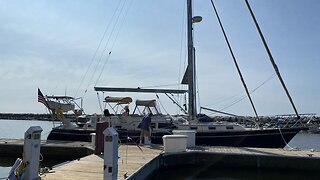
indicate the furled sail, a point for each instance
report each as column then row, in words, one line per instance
column 185, row 76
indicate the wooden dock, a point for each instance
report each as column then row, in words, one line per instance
column 131, row 159
column 139, row 162
column 264, row 151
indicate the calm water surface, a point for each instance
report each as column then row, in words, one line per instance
column 15, row 129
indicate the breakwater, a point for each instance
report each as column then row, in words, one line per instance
column 29, row 116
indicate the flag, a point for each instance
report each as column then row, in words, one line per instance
column 41, row 98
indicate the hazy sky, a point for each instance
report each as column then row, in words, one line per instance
column 52, row 44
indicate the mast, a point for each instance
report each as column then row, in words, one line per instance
column 275, row 67
column 192, row 110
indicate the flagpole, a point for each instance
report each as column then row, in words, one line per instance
column 44, row 101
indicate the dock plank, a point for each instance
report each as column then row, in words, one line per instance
column 265, row 151
column 90, row 167
column 131, row 158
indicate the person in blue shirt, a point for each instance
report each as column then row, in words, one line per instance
column 145, row 127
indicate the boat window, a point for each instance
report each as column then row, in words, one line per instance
column 193, row 127
column 229, row 127
column 212, row 128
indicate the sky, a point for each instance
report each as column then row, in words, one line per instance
column 69, row 47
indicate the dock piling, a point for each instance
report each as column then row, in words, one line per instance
column 31, row 151
column 100, row 127
column 110, row 154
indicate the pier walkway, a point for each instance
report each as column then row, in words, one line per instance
column 131, row 159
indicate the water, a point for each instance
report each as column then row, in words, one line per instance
column 305, row 141
column 14, row 129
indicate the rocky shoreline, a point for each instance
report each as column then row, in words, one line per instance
column 26, row 116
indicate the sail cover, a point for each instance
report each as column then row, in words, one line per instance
column 147, row 103
column 185, row 77
column 120, row 100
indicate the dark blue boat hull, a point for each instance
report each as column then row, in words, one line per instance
column 267, row 138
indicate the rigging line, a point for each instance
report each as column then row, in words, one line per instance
column 252, row 91
column 114, row 42
column 107, row 59
column 183, row 35
column 284, row 139
column 105, row 47
column 99, row 101
column 109, row 38
column 161, row 104
column 175, row 102
column 96, row 51
column 235, row 61
column 242, row 98
column 182, row 55
column 196, row 79
column 271, row 59
column 198, row 94
column 184, row 38
column 263, row 83
column 197, row 82
column 215, row 111
column 225, row 99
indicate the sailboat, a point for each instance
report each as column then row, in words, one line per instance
column 211, row 133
